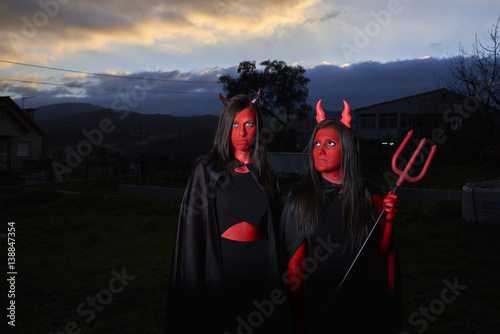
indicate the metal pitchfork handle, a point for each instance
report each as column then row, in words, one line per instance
column 403, row 175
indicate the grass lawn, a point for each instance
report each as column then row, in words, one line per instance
column 435, row 246
column 71, row 247
column 93, row 261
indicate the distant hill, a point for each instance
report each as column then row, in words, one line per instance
column 178, row 137
column 54, row 111
column 158, row 134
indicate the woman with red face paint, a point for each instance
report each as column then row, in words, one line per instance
column 324, row 223
column 224, row 260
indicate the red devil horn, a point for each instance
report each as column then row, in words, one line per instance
column 320, row 114
column 257, row 97
column 223, row 99
column 346, row 115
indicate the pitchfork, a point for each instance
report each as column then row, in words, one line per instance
column 403, row 175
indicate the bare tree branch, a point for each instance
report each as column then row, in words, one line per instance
column 477, row 73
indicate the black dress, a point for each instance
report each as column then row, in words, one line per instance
column 244, row 263
column 241, row 200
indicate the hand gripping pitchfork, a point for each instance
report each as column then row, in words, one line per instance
column 403, row 175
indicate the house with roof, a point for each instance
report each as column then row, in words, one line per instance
column 20, row 138
column 460, row 126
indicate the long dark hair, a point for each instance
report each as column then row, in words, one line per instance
column 308, row 199
column 222, row 147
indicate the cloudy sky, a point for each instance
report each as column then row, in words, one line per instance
column 157, row 56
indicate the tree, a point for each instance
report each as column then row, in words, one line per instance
column 284, row 88
column 476, row 74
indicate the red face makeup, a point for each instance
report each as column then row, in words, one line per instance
column 327, row 154
column 243, row 132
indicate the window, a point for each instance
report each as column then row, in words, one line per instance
column 456, row 123
column 388, row 121
column 23, row 149
column 367, row 121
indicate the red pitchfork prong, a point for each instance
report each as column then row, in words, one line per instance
column 403, row 174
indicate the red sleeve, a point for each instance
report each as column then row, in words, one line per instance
column 295, row 283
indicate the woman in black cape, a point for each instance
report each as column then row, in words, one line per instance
column 326, row 219
column 224, row 260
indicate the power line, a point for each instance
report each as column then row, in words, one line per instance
column 103, row 88
column 324, row 98
column 106, row 75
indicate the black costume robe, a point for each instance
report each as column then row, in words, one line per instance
column 370, row 299
column 196, row 277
